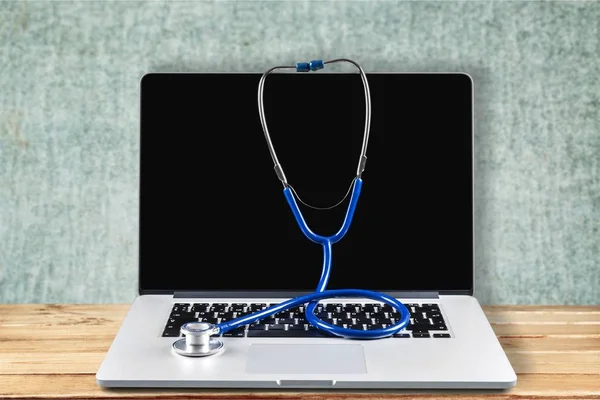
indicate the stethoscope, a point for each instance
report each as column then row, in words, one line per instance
column 199, row 338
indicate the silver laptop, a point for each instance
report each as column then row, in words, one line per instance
column 218, row 241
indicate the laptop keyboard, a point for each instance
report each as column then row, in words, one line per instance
column 426, row 319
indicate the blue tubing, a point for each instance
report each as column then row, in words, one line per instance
column 321, row 292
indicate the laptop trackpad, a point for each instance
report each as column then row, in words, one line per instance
column 306, row 359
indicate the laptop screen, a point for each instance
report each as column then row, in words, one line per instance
column 213, row 216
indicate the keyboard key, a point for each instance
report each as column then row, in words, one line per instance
column 290, row 333
column 242, row 313
column 237, row 307
column 239, row 332
column 386, row 321
column 287, row 321
column 296, row 327
column 439, row 327
column 209, row 319
column 420, row 328
column 349, row 308
column 402, row 335
column 282, row 314
column 257, row 327
column 174, row 325
column 178, row 309
column 188, row 316
column 358, row 327
column 225, row 314
column 273, row 327
column 441, row 335
column 420, row 335
column 370, row 307
column 199, row 307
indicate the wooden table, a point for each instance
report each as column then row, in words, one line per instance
column 54, row 351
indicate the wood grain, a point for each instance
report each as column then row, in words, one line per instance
column 554, row 349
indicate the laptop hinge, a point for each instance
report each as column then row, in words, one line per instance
column 267, row 294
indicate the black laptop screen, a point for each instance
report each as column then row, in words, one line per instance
column 212, row 211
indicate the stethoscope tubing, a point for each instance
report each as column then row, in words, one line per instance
column 326, row 242
column 321, row 292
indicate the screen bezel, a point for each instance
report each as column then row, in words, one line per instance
column 469, row 287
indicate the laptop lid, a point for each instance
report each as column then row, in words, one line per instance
column 213, row 217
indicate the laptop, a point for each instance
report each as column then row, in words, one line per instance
column 218, row 240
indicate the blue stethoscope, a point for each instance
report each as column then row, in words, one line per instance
column 199, row 336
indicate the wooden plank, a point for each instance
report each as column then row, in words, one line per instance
column 550, row 343
column 108, row 331
column 555, row 309
column 58, row 333
column 84, row 387
column 572, row 362
column 34, row 310
column 562, row 386
column 512, row 320
column 53, row 351
column 61, row 315
column 545, row 320
column 73, row 360
column 533, row 329
column 499, row 316
column 58, row 345
column 38, row 313
column 100, row 344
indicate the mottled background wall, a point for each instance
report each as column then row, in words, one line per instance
column 69, row 142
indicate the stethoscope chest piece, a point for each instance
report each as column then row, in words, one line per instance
column 198, row 341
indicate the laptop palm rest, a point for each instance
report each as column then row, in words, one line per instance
column 306, row 359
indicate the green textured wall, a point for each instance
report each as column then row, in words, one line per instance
column 69, row 143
